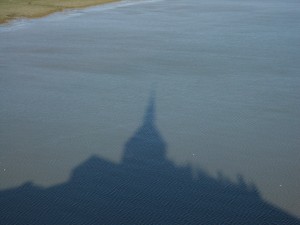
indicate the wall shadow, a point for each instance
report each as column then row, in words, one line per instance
column 144, row 188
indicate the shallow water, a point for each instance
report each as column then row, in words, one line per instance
column 225, row 76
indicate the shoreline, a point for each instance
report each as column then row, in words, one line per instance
column 17, row 9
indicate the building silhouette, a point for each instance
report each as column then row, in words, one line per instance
column 144, row 188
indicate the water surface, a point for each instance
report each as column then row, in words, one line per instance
column 225, row 74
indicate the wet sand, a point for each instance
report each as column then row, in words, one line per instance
column 227, row 90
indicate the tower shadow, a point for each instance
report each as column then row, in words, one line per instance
column 144, row 188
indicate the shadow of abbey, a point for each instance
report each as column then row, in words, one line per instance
column 144, row 188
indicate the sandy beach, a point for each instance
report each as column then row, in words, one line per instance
column 14, row 9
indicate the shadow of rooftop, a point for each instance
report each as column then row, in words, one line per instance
column 144, row 188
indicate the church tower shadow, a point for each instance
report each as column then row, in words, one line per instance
column 146, row 145
column 144, row 188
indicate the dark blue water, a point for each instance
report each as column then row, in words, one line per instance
column 225, row 77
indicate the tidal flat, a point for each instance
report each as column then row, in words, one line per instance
column 75, row 89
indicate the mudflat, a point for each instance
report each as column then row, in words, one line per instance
column 13, row 9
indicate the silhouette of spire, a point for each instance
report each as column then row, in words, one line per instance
column 146, row 144
column 149, row 117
